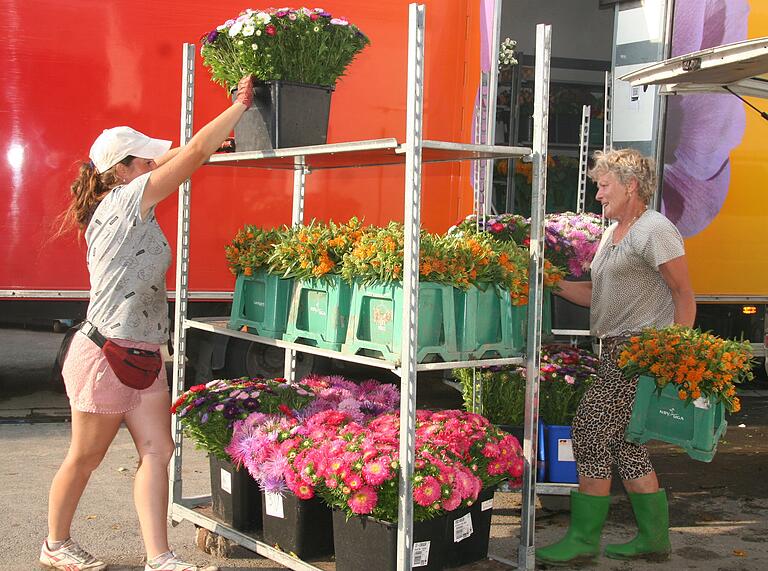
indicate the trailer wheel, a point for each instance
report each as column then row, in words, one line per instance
column 244, row 358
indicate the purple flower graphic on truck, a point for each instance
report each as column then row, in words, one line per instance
column 702, row 130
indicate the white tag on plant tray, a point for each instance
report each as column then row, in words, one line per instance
column 226, row 481
column 486, row 505
column 274, row 505
column 462, row 528
column 701, row 402
column 565, row 450
column 420, row 554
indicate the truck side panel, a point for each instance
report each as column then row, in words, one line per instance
column 74, row 68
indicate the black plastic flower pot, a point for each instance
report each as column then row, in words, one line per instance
column 235, row 496
column 468, row 531
column 567, row 315
column 284, row 114
column 364, row 543
column 298, row 526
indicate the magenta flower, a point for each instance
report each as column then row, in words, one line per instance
column 363, row 501
column 698, row 142
column 428, row 492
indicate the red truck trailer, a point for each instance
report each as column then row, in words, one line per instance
column 74, row 68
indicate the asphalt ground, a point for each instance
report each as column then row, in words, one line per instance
column 718, row 513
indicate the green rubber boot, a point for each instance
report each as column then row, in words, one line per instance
column 652, row 540
column 582, row 542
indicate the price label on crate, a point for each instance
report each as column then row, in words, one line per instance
column 462, row 528
column 420, row 554
column 565, row 450
column 273, row 505
column 486, row 505
column 226, row 481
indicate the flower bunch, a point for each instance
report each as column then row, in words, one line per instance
column 360, row 401
column 458, row 260
column 566, row 373
column 314, row 250
column 269, row 444
column 355, row 468
column 572, row 240
column 700, row 365
column 377, row 257
column 305, row 45
column 504, row 227
column 507, row 52
column 489, row 453
column 208, row 412
column 250, row 249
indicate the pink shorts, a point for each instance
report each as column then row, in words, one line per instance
column 91, row 384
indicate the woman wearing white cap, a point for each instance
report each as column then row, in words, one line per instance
column 113, row 204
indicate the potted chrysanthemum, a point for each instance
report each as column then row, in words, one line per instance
column 208, row 414
column 296, row 57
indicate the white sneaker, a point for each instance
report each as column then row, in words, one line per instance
column 176, row 564
column 69, row 557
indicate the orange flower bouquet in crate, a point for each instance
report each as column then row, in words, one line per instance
column 687, row 383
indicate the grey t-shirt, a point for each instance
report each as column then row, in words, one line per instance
column 127, row 261
column 628, row 291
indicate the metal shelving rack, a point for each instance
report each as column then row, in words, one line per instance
column 412, row 152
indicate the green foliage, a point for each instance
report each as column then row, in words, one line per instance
column 503, row 393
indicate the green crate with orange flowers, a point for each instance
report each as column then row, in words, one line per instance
column 261, row 298
column 687, row 383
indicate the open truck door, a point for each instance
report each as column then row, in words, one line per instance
column 740, row 69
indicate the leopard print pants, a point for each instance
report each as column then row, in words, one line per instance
column 601, row 421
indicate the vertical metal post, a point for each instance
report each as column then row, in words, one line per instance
column 490, row 117
column 481, row 137
column 661, row 108
column 526, row 552
column 608, row 113
column 412, row 222
column 182, row 268
column 297, row 217
column 586, row 110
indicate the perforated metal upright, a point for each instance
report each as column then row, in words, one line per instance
column 526, row 550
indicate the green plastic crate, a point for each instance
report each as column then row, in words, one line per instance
column 319, row 312
column 666, row 418
column 261, row 304
column 520, row 321
column 376, row 317
column 485, row 324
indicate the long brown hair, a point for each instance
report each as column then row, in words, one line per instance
column 88, row 190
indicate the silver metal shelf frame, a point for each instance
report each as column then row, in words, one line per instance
column 412, row 153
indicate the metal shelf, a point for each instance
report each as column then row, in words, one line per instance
column 370, row 153
column 181, row 512
column 412, row 153
column 219, row 325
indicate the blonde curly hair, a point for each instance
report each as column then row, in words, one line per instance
column 627, row 165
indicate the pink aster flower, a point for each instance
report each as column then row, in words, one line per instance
column 363, row 501
column 304, row 491
column 377, row 471
column 428, row 492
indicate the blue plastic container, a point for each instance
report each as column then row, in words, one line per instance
column 541, row 454
column 561, row 465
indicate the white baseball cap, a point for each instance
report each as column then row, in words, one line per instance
column 114, row 144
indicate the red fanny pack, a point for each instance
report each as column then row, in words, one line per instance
column 136, row 368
